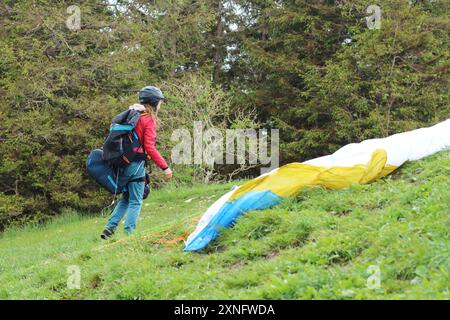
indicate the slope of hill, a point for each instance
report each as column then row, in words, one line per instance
column 321, row 244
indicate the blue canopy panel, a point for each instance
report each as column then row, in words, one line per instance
column 229, row 212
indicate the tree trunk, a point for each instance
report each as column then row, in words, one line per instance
column 218, row 33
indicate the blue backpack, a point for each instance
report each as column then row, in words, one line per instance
column 104, row 174
column 119, row 150
column 121, row 145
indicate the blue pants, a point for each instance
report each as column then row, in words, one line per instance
column 131, row 206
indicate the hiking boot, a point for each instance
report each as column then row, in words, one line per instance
column 107, row 233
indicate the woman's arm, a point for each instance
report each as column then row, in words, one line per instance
column 150, row 144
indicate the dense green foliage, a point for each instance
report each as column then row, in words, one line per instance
column 318, row 245
column 317, row 72
column 310, row 68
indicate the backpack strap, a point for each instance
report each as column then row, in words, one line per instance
column 139, row 156
column 141, row 179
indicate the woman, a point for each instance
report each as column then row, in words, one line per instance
column 151, row 99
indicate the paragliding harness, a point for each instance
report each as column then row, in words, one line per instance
column 120, row 148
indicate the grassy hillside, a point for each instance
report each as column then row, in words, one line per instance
column 317, row 245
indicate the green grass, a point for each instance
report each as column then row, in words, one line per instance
column 317, row 245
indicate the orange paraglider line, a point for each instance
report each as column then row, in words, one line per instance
column 169, row 235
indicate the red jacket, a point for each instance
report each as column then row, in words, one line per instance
column 146, row 131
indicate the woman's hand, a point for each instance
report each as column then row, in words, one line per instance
column 168, row 174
